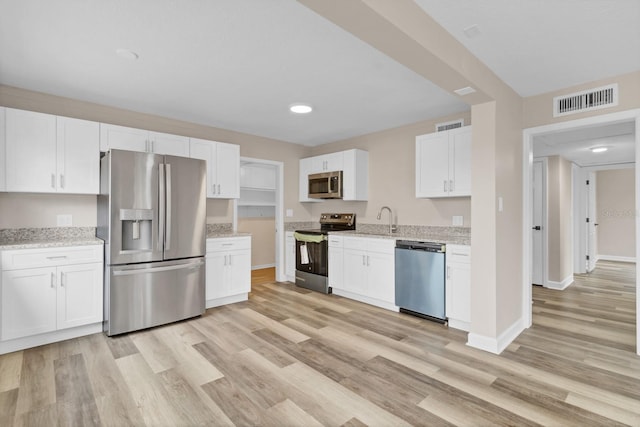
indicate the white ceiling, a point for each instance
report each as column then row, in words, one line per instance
column 576, row 145
column 238, row 64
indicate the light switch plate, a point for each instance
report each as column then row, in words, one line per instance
column 64, row 220
column 457, row 220
column 289, row 213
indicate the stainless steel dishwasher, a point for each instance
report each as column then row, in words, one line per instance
column 420, row 279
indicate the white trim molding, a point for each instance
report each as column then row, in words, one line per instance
column 616, row 258
column 560, row 286
column 497, row 345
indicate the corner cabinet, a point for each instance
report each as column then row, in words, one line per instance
column 458, row 286
column 223, row 167
column 354, row 165
column 228, row 270
column 443, row 164
column 132, row 139
column 51, row 154
column 368, row 270
column 50, row 295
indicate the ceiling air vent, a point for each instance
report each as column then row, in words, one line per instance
column 449, row 125
column 588, row 100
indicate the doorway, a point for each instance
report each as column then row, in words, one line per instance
column 259, row 211
column 588, row 125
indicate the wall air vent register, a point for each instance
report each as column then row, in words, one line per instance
column 588, row 100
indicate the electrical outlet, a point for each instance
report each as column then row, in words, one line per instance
column 289, row 213
column 457, row 220
column 64, row 220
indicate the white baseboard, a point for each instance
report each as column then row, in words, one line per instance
column 258, row 267
column 616, row 258
column 496, row 345
column 48, row 338
column 365, row 299
column 226, row 300
column 560, row 285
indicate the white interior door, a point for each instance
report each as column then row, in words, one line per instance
column 592, row 223
column 537, row 219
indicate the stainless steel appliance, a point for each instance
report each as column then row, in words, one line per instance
column 152, row 217
column 326, row 185
column 312, row 269
column 420, row 279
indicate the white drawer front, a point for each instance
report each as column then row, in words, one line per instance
column 370, row 244
column 228, row 243
column 48, row 257
column 336, row 241
column 459, row 253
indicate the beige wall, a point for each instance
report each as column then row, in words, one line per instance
column 263, row 238
column 218, row 211
column 18, row 210
column 560, row 219
column 392, row 179
column 538, row 110
column 615, row 202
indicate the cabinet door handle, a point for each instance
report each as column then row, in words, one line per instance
column 368, row 261
column 444, row 185
column 62, row 280
column 53, row 280
column 448, row 272
column 230, row 259
column 450, row 185
column 218, row 188
column 152, row 144
column 61, row 181
column 53, row 180
column 363, row 260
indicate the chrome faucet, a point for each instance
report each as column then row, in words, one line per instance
column 392, row 227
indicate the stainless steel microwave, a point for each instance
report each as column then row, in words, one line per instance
column 326, row 185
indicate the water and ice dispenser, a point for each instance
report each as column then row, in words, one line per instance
column 136, row 229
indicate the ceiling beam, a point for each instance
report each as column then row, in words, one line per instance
column 403, row 31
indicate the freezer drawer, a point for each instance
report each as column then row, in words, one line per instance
column 145, row 295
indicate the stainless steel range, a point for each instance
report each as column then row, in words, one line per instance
column 312, row 268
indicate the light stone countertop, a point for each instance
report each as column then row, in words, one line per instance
column 39, row 244
column 221, row 234
column 52, row 237
column 444, row 239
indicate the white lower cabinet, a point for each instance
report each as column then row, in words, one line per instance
column 290, row 256
column 368, row 271
column 336, row 261
column 48, row 295
column 458, row 286
column 228, row 270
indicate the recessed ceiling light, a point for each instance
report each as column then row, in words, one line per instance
column 127, row 54
column 300, row 108
column 465, row 91
column 599, row 149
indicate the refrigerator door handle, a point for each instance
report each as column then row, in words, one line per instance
column 157, row 269
column 167, row 243
column 161, row 206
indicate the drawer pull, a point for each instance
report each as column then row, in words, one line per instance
column 53, row 280
column 459, row 254
column 57, row 257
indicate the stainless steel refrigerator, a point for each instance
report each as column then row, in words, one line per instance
column 152, row 217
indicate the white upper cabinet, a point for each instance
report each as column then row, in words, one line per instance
column 48, row 154
column 132, row 139
column 223, row 167
column 354, row 165
column 443, row 163
column 327, row 163
column 3, row 173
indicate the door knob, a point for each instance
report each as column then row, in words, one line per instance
column 537, row 227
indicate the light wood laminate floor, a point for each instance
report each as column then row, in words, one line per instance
column 290, row 357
